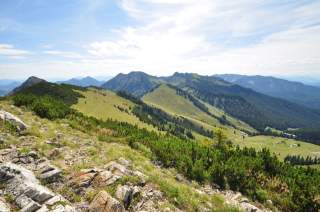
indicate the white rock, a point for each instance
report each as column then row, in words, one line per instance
column 4, row 206
column 13, row 120
column 125, row 194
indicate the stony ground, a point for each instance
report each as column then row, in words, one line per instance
column 53, row 167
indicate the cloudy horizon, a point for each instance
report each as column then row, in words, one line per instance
column 102, row 38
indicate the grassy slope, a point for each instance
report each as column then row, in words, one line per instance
column 98, row 153
column 167, row 99
column 282, row 146
column 103, row 104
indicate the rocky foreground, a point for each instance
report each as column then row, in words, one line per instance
column 30, row 180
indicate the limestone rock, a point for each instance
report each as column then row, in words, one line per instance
column 4, row 207
column 13, row 120
column 105, row 203
column 84, row 179
column 125, row 194
column 49, row 173
column 33, row 154
column 29, row 195
column 249, row 207
column 106, row 178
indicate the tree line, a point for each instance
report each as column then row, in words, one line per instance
column 300, row 160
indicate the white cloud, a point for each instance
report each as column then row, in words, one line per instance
column 12, row 52
column 207, row 36
column 66, row 54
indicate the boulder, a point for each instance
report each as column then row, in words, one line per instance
column 179, row 178
column 124, row 161
column 13, row 120
column 117, row 168
column 48, row 172
column 125, row 194
column 249, row 207
column 4, row 207
column 54, row 153
column 84, row 179
column 51, row 176
column 105, row 178
column 29, row 195
column 33, row 154
column 105, row 203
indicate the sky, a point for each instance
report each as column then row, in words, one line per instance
column 70, row 38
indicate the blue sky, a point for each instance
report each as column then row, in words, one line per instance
column 67, row 38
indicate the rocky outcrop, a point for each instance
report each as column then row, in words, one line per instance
column 235, row 199
column 125, row 194
column 5, row 116
column 27, row 192
column 105, row 176
column 103, row 202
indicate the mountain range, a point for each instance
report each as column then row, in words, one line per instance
column 83, row 82
column 257, row 109
column 296, row 92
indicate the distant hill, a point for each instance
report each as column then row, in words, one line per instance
column 293, row 91
column 83, row 82
column 39, row 87
column 135, row 83
column 2, row 93
column 28, row 83
column 8, row 85
column 254, row 108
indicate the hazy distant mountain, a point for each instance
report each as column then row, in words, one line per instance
column 136, row 83
column 28, row 83
column 2, row 93
column 7, row 85
column 83, row 82
column 296, row 92
column 254, row 108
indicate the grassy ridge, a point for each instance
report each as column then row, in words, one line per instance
column 108, row 105
column 166, row 99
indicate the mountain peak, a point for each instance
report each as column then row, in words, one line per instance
column 34, row 80
column 137, row 83
column 83, row 82
column 28, row 83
